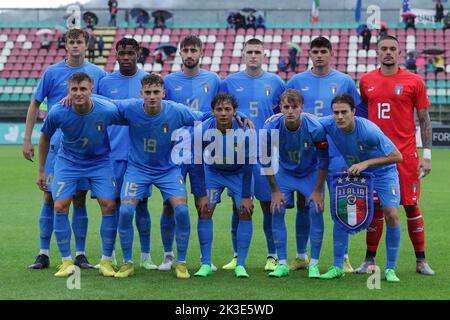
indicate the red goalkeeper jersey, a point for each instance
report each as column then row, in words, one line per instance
column 391, row 100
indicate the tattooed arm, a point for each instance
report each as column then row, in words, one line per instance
column 426, row 135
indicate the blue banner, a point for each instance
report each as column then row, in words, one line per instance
column 351, row 201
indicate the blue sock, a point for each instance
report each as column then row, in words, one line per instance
column 340, row 243
column 302, row 226
column 108, row 231
column 392, row 245
column 126, row 230
column 267, row 226
column 79, row 227
column 63, row 233
column 316, row 232
column 279, row 233
column 234, row 227
column 167, row 226
column 46, row 220
column 205, row 236
column 244, row 237
column 182, row 230
column 144, row 225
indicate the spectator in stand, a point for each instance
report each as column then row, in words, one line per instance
column 447, row 21
column 292, row 59
column 113, row 8
column 420, row 63
column 430, row 65
column 250, row 21
column 282, row 65
column 410, row 63
column 62, row 41
column 230, row 20
column 260, row 21
column 46, row 41
column 410, row 22
column 439, row 64
column 142, row 19
column 367, row 34
column 160, row 22
column 239, row 21
column 439, row 11
column 100, row 45
column 383, row 32
column 91, row 47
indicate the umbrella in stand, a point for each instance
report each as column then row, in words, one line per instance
column 382, row 24
column 136, row 11
column 291, row 44
column 90, row 18
column 408, row 15
column 43, row 32
column 168, row 48
column 248, row 10
column 433, row 51
column 162, row 13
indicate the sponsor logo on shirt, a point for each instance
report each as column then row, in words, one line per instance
column 115, row 90
column 178, row 88
column 305, row 88
column 240, row 89
column 370, row 89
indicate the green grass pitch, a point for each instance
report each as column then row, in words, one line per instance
column 20, row 202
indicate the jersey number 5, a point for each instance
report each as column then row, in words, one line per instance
column 383, row 110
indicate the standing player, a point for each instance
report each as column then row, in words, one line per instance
column 257, row 93
column 53, row 86
column 319, row 86
column 152, row 122
column 196, row 88
column 391, row 95
column 84, row 154
column 365, row 148
column 224, row 170
column 122, row 84
column 301, row 141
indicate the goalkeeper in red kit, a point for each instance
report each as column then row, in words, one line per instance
column 391, row 94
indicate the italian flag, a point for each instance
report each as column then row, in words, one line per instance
column 315, row 11
column 351, row 213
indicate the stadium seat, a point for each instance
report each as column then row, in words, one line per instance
column 234, row 68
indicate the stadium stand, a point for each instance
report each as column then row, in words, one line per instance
column 22, row 60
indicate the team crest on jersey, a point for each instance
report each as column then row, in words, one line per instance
column 360, row 146
column 180, row 179
column 268, row 91
column 165, row 127
column 206, row 88
column 113, row 181
column 393, row 190
column 333, row 88
column 398, row 89
column 100, row 126
column 352, row 201
column 306, row 144
column 414, row 187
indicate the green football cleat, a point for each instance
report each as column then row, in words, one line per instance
column 333, row 273
column 204, row 271
column 125, row 271
column 271, row 264
column 390, row 275
column 148, row 264
column 299, row 264
column 230, row 265
column 240, row 272
column 280, row 271
column 313, row 271
column 347, row 266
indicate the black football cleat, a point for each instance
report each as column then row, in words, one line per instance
column 82, row 262
column 42, row 262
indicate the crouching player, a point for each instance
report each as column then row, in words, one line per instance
column 302, row 140
column 365, row 148
column 227, row 165
column 84, row 155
